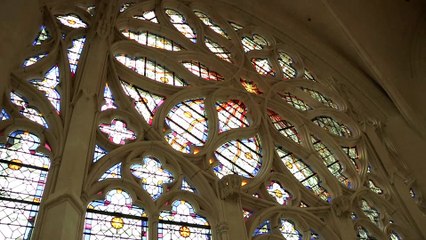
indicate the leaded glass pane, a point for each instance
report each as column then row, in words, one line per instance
column 117, row 132
column 276, row 190
column 242, row 157
column 152, row 175
column 74, row 53
column 49, row 86
column 152, row 40
column 330, row 161
column 115, row 218
column 289, row 231
column 231, row 115
column 180, row 23
column 145, row 102
column 370, row 212
column 256, row 42
column 188, row 126
column 250, row 86
column 26, row 110
column 23, row 175
column 303, row 173
column 263, row 66
column 202, row 71
column 218, row 50
column 320, row 98
column 150, row 69
column 286, row 63
column 147, row 16
column 332, row 126
column 72, row 21
column 295, row 102
column 183, row 223
column 210, row 23
column 284, row 127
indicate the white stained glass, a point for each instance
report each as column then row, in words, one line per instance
column 72, row 21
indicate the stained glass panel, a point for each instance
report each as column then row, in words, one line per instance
column 115, row 218
column 276, row 190
column 235, row 26
column 362, row 234
column 330, row 161
column 150, row 69
column 4, row 115
column 263, row 66
column 99, row 153
column 218, row 50
column 264, row 228
column 186, row 186
column 320, row 98
column 42, row 36
column 256, row 42
column 48, row 87
column 231, row 115
column 23, row 176
column 152, row 40
column 182, row 223
column 295, row 102
column 284, row 127
column 370, row 212
column 117, row 132
column 108, row 99
column 304, row 174
column 289, row 231
column 113, row 172
column 374, row 188
column 145, row 102
column 332, row 126
column 29, row 112
column 250, row 86
column 152, row 175
column 180, row 23
column 210, row 23
column 30, row 61
column 352, row 153
column 74, row 53
column 286, row 63
column 188, row 126
column 202, row 71
column 72, row 21
column 242, row 157
column 308, row 76
column 147, row 16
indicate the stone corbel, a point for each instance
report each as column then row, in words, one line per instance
column 230, row 187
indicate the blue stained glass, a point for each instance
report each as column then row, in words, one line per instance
column 186, row 186
column 42, row 36
column 276, row 190
column 113, row 172
column 99, row 153
column 264, row 228
column 4, row 115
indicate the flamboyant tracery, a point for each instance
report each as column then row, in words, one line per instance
column 233, row 103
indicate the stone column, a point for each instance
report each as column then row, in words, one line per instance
column 232, row 224
column 62, row 212
column 341, row 217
